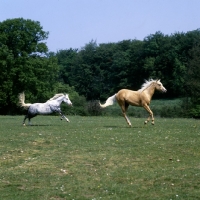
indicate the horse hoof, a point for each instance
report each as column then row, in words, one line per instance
column 23, row 124
column 145, row 122
column 152, row 123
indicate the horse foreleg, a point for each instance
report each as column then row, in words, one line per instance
column 147, row 108
column 63, row 116
column 24, row 121
column 58, row 110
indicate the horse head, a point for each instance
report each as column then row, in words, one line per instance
column 67, row 100
column 159, row 86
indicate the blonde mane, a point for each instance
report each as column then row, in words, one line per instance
column 146, row 84
column 55, row 96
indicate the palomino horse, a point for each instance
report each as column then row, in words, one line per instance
column 50, row 106
column 141, row 98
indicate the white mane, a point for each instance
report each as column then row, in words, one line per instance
column 55, row 96
column 146, row 84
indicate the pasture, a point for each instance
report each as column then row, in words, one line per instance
column 99, row 158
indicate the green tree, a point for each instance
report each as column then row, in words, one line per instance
column 97, row 71
column 24, row 64
column 104, row 58
column 119, row 69
column 81, row 70
column 67, row 60
column 136, row 72
column 193, row 80
column 6, row 61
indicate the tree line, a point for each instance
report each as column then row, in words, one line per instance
column 95, row 71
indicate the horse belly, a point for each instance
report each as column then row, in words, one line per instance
column 40, row 109
column 134, row 102
column 133, row 99
column 44, row 110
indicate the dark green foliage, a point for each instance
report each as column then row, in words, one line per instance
column 193, row 80
column 23, row 64
column 94, row 109
column 96, row 71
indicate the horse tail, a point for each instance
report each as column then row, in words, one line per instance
column 22, row 101
column 110, row 101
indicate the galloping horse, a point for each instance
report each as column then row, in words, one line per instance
column 50, row 106
column 141, row 98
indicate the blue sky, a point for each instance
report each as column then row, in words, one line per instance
column 74, row 23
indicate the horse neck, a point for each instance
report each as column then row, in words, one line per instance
column 150, row 90
column 57, row 101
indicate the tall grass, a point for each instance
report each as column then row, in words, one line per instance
column 99, row 158
column 161, row 108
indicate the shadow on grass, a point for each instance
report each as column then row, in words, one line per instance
column 125, row 127
column 33, row 125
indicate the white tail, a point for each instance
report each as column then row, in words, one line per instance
column 110, row 101
column 21, row 101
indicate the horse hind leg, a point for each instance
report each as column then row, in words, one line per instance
column 26, row 116
column 127, row 119
column 124, row 108
column 29, row 121
column 29, row 118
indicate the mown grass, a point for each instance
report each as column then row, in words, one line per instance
column 99, row 158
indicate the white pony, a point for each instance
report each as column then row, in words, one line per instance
column 50, row 106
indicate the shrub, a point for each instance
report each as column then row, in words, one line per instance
column 93, row 108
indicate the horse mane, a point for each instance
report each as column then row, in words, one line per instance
column 146, row 84
column 55, row 96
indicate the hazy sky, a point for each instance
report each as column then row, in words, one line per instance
column 74, row 23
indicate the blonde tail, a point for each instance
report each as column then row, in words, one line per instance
column 21, row 101
column 110, row 101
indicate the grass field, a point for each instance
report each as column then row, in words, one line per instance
column 99, row 158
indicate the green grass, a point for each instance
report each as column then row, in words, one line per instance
column 99, row 158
